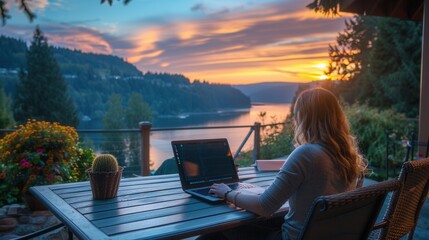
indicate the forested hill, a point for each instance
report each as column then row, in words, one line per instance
column 70, row 61
column 93, row 78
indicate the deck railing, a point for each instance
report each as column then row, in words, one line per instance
column 146, row 129
column 110, row 136
column 132, row 146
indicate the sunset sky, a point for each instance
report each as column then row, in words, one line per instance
column 220, row 41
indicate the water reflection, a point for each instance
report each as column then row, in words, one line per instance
column 161, row 141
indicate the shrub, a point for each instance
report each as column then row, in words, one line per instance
column 373, row 128
column 40, row 153
column 276, row 140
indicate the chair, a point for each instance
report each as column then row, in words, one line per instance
column 349, row 215
column 404, row 206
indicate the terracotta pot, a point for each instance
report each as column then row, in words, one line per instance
column 104, row 185
column 7, row 224
column 32, row 202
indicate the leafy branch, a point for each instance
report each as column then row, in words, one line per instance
column 23, row 6
column 327, row 7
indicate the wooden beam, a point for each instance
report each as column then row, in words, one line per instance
column 424, row 83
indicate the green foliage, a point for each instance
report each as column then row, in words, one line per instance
column 6, row 116
column 378, row 60
column 26, row 8
column 119, row 117
column 244, row 159
column 85, row 156
column 93, row 78
column 13, row 53
column 113, row 119
column 74, row 62
column 395, row 66
column 39, row 153
column 327, row 7
column 347, row 54
column 137, row 110
column 276, row 140
column 373, row 128
column 42, row 93
column 105, row 163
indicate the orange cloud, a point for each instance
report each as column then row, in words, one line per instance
column 253, row 46
column 281, row 41
column 83, row 41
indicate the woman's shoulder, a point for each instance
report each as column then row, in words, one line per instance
column 310, row 148
column 308, row 152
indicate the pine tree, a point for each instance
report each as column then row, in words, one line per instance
column 380, row 59
column 349, row 58
column 42, row 92
column 6, row 116
column 395, row 65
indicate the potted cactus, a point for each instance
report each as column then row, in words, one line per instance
column 104, row 176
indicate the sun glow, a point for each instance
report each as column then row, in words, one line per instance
column 323, row 77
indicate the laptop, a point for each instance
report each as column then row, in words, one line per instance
column 203, row 162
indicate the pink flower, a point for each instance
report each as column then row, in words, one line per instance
column 50, row 176
column 40, row 150
column 25, row 163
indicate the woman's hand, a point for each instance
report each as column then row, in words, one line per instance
column 219, row 190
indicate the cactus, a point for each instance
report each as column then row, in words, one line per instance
column 105, row 163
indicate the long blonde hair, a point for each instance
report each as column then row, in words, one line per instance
column 320, row 119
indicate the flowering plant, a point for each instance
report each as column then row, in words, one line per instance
column 40, row 153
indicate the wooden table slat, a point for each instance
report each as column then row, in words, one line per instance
column 139, row 202
column 142, row 208
column 136, row 216
column 166, row 220
column 196, row 226
column 152, row 207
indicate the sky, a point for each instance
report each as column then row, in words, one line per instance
column 219, row 41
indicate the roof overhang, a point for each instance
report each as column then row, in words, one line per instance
column 405, row 9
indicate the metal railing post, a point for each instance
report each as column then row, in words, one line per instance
column 144, row 150
column 256, row 141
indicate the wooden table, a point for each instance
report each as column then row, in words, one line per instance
column 153, row 207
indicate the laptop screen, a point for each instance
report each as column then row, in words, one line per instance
column 203, row 162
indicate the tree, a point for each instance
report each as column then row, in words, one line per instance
column 6, row 115
column 378, row 63
column 42, row 92
column 138, row 110
column 395, row 66
column 23, row 5
column 114, row 143
column 349, row 58
column 113, row 118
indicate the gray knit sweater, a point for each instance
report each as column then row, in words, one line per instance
column 310, row 171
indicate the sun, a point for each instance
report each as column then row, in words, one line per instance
column 323, row 77
column 321, row 66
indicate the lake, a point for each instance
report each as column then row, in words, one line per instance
column 160, row 148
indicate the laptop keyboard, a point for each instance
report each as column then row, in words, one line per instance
column 233, row 186
column 203, row 191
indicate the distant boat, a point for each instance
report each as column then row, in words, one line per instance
column 183, row 116
column 86, row 118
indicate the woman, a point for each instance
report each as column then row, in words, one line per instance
column 325, row 161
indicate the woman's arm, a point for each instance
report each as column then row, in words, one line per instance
column 286, row 183
column 248, row 201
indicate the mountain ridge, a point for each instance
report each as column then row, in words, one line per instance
column 269, row 92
